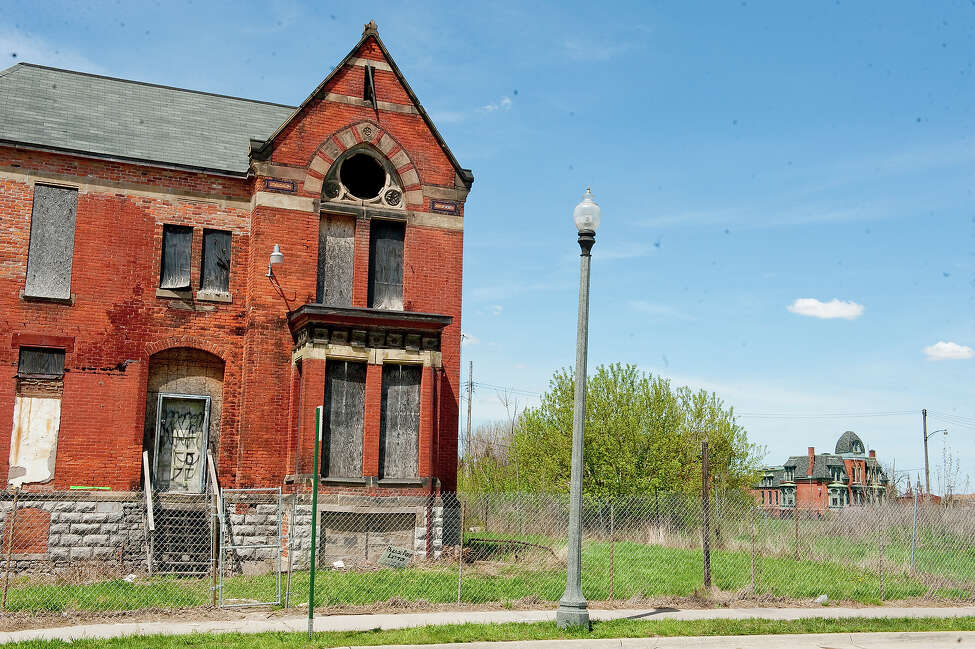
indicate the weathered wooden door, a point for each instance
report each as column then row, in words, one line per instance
column 181, row 443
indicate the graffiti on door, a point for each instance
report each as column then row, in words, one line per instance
column 181, row 434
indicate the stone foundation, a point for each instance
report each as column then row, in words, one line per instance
column 107, row 532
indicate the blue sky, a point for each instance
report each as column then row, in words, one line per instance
column 746, row 155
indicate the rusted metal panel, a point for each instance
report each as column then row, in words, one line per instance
column 336, row 242
column 399, row 433
column 51, row 246
column 215, row 276
column 175, row 271
column 345, row 391
column 34, row 439
column 386, row 265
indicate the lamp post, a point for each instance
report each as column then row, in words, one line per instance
column 927, row 436
column 573, row 608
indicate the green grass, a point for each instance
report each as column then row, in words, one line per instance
column 515, row 632
column 641, row 571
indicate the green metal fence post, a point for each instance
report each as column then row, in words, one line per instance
column 314, row 523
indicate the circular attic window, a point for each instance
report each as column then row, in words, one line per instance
column 363, row 176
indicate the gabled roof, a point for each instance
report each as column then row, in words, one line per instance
column 131, row 121
column 106, row 117
column 370, row 31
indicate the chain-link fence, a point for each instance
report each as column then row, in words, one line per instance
column 103, row 551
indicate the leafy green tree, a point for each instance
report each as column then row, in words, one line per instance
column 642, row 435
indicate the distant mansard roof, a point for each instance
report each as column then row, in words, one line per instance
column 128, row 120
column 849, row 442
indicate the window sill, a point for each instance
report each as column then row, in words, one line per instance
column 343, row 481
column 402, row 482
column 213, row 296
column 67, row 301
column 181, row 294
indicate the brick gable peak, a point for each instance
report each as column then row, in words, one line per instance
column 370, row 32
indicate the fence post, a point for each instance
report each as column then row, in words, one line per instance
column 460, row 553
column 612, row 544
column 914, row 534
column 10, row 547
column 705, row 531
column 754, row 516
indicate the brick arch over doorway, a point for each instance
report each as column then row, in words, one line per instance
column 370, row 133
column 198, row 376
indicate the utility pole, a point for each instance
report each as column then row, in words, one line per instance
column 924, row 433
column 470, row 392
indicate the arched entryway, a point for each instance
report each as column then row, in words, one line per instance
column 184, row 398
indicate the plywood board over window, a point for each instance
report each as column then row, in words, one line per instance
column 34, row 439
column 399, row 432
column 345, row 391
column 174, row 273
column 51, row 248
column 336, row 243
column 215, row 273
column 386, row 265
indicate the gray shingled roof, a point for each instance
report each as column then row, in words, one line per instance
column 73, row 111
column 846, row 442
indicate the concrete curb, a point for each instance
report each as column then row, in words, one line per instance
column 407, row 620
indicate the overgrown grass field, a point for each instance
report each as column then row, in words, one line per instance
column 639, row 571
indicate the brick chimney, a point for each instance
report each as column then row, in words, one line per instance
column 812, row 459
column 873, row 453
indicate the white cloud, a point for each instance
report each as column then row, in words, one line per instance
column 835, row 308
column 943, row 351
column 467, row 339
column 17, row 47
column 502, row 104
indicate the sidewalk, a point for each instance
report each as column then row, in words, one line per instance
column 940, row 640
column 405, row 620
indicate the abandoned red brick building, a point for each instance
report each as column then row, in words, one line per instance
column 140, row 310
column 818, row 482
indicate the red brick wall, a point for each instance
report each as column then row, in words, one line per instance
column 117, row 321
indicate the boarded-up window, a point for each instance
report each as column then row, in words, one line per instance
column 336, row 242
column 175, row 266
column 399, row 433
column 34, row 439
column 215, row 272
column 386, row 265
column 40, row 361
column 345, row 402
column 51, row 242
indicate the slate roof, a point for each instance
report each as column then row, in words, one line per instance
column 846, row 442
column 128, row 120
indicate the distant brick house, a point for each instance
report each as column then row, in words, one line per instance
column 139, row 312
column 822, row 481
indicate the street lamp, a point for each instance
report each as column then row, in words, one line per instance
column 573, row 608
column 927, row 436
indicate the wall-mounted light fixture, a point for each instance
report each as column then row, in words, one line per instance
column 276, row 258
